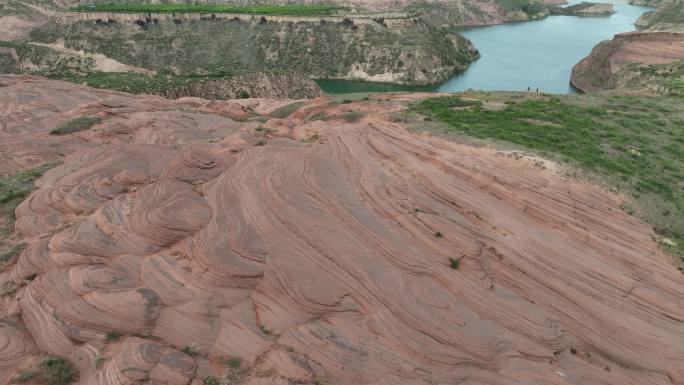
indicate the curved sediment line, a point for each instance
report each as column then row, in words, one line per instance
column 328, row 256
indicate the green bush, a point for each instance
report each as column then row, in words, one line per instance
column 50, row 371
column 233, row 362
column 454, row 263
column 112, row 336
column 189, row 350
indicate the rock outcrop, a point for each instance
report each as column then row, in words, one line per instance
column 668, row 16
column 585, row 9
column 255, row 85
column 223, row 247
column 610, row 63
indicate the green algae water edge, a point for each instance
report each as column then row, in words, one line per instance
column 536, row 54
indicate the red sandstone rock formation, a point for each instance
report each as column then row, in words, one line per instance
column 308, row 250
column 601, row 69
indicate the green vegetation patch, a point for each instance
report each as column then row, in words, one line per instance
column 50, row 371
column 285, row 111
column 13, row 190
column 8, row 255
column 669, row 77
column 75, row 125
column 634, row 143
column 670, row 13
column 279, row 10
column 113, row 336
column 189, row 350
column 19, row 185
column 233, row 363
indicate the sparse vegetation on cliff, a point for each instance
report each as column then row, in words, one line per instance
column 281, row 10
column 634, row 143
column 50, row 371
column 663, row 78
column 13, row 190
column 408, row 54
column 669, row 15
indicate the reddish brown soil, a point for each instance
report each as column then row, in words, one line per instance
column 317, row 252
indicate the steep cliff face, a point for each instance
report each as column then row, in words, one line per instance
column 585, row 9
column 253, row 85
column 449, row 13
column 28, row 58
column 669, row 16
column 611, row 64
column 412, row 53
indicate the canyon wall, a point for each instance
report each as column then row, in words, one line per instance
column 409, row 53
column 612, row 63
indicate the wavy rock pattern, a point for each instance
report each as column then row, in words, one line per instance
column 318, row 261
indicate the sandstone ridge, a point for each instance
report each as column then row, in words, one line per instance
column 224, row 244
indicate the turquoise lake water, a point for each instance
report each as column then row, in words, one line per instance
column 537, row 54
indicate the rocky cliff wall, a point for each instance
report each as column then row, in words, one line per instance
column 412, row 53
column 377, row 18
column 253, row 85
column 603, row 68
column 585, row 9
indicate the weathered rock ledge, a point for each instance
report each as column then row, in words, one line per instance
column 602, row 69
column 406, row 53
column 585, row 9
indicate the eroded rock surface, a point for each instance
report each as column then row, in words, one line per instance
column 316, row 252
column 608, row 66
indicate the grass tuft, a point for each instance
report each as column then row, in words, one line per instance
column 8, row 289
column 234, row 363
column 189, row 350
column 285, row 111
column 454, row 263
column 75, row 125
column 113, row 336
column 9, row 254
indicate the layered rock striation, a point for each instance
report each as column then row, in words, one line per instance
column 611, row 64
column 307, row 250
column 409, row 53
